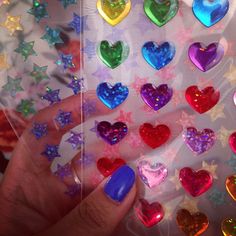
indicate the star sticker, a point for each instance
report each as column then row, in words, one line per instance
column 39, row 10
column 111, row 151
column 102, row 73
column 186, row 120
column 89, row 49
column 52, row 36
column 4, row 2
column 52, row 96
column 78, row 23
column 184, row 35
column 189, row 204
column 217, row 197
column 94, row 128
column 3, row 61
column 134, row 140
column 211, row 168
column 143, row 24
column 39, row 130
column 86, row 159
column 12, row 24
column 177, row 98
column 63, row 171
column 26, row 107
column 232, row 162
column 26, row 49
column 63, row 118
column 76, row 84
column 51, row 152
column 89, row 107
column 13, row 86
column 75, row 139
column 73, row 190
column 230, row 75
column 125, row 117
column 66, row 61
column 138, row 83
column 223, row 135
column 166, row 73
column 217, row 112
column 175, row 180
column 39, row 73
column 66, row 3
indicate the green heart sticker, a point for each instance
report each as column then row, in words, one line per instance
column 161, row 11
column 113, row 54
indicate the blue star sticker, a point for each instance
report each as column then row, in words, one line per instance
column 66, row 61
column 217, row 197
column 63, row 118
column 76, row 84
column 63, row 171
column 13, row 86
column 90, row 48
column 51, row 152
column 52, row 96
column 39, row 130
column 66, row 3
column 78, row 23
column 52, row 36
column 232, row 162
column 75, row 139
column 39, row 10
column 26, row 49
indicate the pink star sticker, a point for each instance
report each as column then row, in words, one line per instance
column 177, row 98
column 125, row 117
column 203, row 83
column 134, row 140
column 148, row 110
column 184, row 35
column 166, row 73
column 111, row 151
column 138, row 83
column 186, row 120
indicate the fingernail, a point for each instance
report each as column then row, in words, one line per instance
column 120, row 183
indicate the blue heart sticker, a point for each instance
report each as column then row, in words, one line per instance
column 112, row 96
column 158, row 56
column 210, row 12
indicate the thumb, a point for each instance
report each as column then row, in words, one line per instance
column 102, row 210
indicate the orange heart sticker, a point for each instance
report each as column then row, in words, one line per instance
column 192, row 224
column 228, row 227
column 231, row 186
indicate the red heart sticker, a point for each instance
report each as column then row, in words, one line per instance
column 195, row 182
column 149, row 214
column 107, row 166
column 154, row 136
column 232, row 142
column 202, row 100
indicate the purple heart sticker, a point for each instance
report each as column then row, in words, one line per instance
column 156, row 97
column 112, row 134
column 205, row 58
column 199, row 141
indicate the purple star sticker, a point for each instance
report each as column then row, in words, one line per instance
column 51, row 152
column 94, row 128
column 63, row 171
column 66, row 60
column 39, row 130
column 52, row 96
column 75, row 139
column 73, row 190
column 78, row 23
column 76, row 84
column 63, row 118
column 89, row 49
column 89, row 107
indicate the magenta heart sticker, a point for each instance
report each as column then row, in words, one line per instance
column 152, row 174
column 156, row 97
column 205, row 58
column 112, row 134
column 199, row 141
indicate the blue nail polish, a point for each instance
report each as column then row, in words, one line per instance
column 120, row 183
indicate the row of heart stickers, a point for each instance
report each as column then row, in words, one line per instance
column 158, row 97
column 208, row 12
column 158, row 56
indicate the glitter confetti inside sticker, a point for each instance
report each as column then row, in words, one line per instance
column 39, row 130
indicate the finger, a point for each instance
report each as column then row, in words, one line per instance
column 102, row 210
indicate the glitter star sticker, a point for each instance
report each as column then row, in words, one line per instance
column 51, row 152
column 66, row 3
column 223, row 135
column 52, row 36
column 39, row 10
column 217, row 112
column 39, row 130
column 39, row 73
column 175, row 180
column 13, row 86
column 230, row 75
column 4, row 2
column 78, row 23
column 63, row 171
column 26, row 49
column 66, row 60
column 52, row 96
column 232, row 162
column 186, row 120
column 26, row 107
column 211, row 168
column 12, row 24
column 75, row 139
column 3, row 62
column 217, row 197
column 125, row 117
column 63, row 118
column 76, row 84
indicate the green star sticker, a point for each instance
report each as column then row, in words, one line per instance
column 52, row 36
column 26, row 107
column 13, row 86
column 39, row 10
column 39, row 73
column 26, row 49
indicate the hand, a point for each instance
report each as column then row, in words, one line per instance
column 32, row 199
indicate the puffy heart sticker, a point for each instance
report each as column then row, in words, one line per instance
column 210, row 12
column 228, row 227
column 113, row 55
column 195, row 182
column 192, row 224
column 205, row 58
column 152, row 174
column 112, row 96
column 231, row 186
column 158, row 97
column 107, row 166
column 149, row 214
column 160, row 12
column 112, row 134
column 158, row 56
column 232, row 142
column 199, row 141
column 154, row 136
column 114, row 11
column 202, row 100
